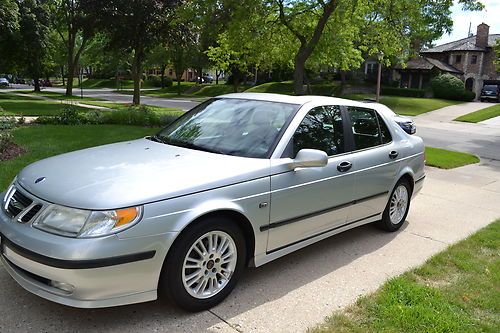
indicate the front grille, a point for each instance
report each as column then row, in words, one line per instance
column 31, row 213
column 21, row 206
column 17, row 203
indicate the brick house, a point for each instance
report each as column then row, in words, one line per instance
column 471, row 59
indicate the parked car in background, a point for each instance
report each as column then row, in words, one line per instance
column 490, row 92
column 207, row 78
column 239, row 180
column 4, row 83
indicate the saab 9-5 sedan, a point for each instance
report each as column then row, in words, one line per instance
column 240, row 180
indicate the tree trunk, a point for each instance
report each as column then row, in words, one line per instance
column 36, row 84
column 298, row 74
column 71, row 64
column 71, row 75
column 217, row 73
column 62, row 75
column 200, row 75
column 136, row 76
column 162, row 76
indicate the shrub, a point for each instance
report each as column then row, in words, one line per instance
column 137, row 116
column 403, row 92
column 155, row 80
column 447, row 86
column 7, row 123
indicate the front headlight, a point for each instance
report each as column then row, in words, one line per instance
column 85, row 223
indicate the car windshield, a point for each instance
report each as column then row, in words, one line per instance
column 230, row 126
column 490, row 88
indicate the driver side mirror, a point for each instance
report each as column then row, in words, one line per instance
column 309, row 158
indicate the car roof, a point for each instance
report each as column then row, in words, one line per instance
column 300, row 100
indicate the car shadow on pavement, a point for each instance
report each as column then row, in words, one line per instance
column 21, row 311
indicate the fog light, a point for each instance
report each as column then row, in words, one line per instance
column 66, row 287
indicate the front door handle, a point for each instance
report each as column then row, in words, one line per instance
column 393, row 154
column 344, row 166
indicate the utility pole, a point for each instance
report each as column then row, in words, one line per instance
column 379, row 75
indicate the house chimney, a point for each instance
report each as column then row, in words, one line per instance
column 482, row 35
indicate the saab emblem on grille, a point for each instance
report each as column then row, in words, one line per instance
column 16, row 204
column 39, row 180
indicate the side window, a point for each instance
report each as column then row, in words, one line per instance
column 320, row 129
column 364, row 127
column 384, row 130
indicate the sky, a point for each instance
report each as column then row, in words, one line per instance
column 461, row 19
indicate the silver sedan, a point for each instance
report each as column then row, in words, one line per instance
column 239, row 180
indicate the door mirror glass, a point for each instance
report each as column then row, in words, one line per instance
column 309, row 158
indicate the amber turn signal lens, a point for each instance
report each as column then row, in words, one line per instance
column 125, row 216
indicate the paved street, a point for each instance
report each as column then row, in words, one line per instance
column 438, row 129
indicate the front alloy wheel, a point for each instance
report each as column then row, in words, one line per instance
column 204, row 264
column 209, row 264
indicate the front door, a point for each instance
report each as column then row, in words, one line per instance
column 309, row 201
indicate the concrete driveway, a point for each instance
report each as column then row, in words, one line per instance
column 297, row 291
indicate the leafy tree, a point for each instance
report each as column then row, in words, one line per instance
column 9, row 25
column 338, row 33
column 133, row 26
column 31, row 41
column 74, row 26
column 158, row 57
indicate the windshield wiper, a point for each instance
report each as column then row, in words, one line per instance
column 184, row 144
column 156, row 138
column 197, row 147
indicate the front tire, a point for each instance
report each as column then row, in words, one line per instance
column 397, row 208
column 204, row 264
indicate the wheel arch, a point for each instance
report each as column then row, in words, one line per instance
column 231, row 213
column 408, row 175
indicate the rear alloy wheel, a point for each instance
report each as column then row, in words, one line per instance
column 397, row 208
column 204, row 264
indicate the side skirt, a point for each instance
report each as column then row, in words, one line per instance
column 284, row 250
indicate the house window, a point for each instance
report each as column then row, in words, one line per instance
column 458, row 58
column 170, row 72
column 473, row 59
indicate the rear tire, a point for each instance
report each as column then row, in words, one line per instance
column 397, row 207
column 204, row 264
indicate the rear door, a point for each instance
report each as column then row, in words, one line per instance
column 375, row 161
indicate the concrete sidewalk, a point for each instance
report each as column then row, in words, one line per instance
column 449, row 113
column 299, row 290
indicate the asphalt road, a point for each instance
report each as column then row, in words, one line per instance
column 483, row 145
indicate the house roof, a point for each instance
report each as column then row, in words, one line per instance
column 465, row 44
column 423, row 63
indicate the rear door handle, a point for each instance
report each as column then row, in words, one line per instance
column 344, row 166
column 393, row 154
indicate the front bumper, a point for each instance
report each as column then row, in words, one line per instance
column 98, row 272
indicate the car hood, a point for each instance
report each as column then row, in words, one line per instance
column 133, row 173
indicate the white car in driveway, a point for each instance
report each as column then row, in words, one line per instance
column 241, row 179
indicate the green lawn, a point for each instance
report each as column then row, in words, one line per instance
column 125, row 106
column 457, row 290
column 286, row 88
column 447, row 159
column 191, row 90
column 26, row 106
column 111, row 83
column 408, row 106
column 47, row 140
column 484, row 114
